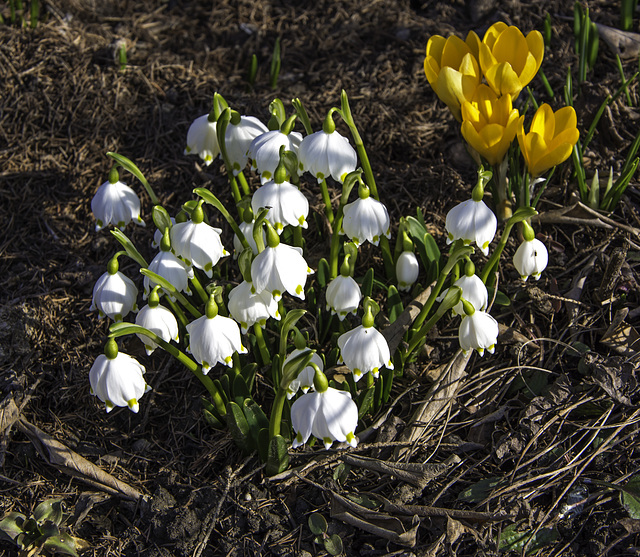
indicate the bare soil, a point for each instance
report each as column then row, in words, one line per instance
column 542, row 421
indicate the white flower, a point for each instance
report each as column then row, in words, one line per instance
column 114, row 295
column 287, row 204
column 407, row 270
column 364, row 350
column 279, row 269
column 118, row 381
column 478, row 331
column 198, row 244
column 172, row 269
column 247, row 229
column 531, row 259
column 304, row 380
column 471, row 221
column 474, row 291
column 366, row 219
column 238, row 138
column 264, row 151
column 214, row 340
column 248, row 308
column 343, row 296
column 202, row 139
column 115, row 203
column 330, row 416
column 327, row 154
column 159, row 320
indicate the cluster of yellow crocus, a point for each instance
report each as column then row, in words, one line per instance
column 508, row 61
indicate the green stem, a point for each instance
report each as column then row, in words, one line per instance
column 213, row 200
column 493, row 261
column 275, row 419
column 326, row 198
column 418, row 337
column 243, row 183
column 177, row 310
column 298, row 240
column 198, row 287
column 262, row 345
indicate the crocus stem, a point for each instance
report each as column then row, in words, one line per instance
column 198, row 287
column 326, row 199
column 262, row 345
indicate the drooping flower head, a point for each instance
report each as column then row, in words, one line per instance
column 531, row 257
column 115, row 203
column 326, row 413
column 451, row 67
column 157, row 319
column 279, row 268
column 169, row 267
column 114, row 294
column 508, row 59
column 264, row 151
column 117, row 379
column 240, row 132
column 214, row 339
column 304, row 380
column 365, row 219
column 550, row 140
column 343, row 293
column 364, row 349
column 248, row 307
column 202, row 139
column 197, row 243
column 327, row 153
column 489, row 123
column 407, row 267
column 478, row 330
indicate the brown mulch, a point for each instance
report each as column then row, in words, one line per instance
column 536, row 422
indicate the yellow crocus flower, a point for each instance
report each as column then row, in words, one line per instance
column 550, row 140
column 451, row 66
column 489, row 123
column 508, row 59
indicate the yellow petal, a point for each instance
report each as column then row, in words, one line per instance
column 471, row 114
column 493, row 32
column 553, row 158
column 431, row 69
column 473, row 42
column 503, row 80
column 565, row 119
column 570, row 137
column 535, row 42
column 543, row 122
column 472, row 137
column 454, row 51
column 511, row 46
column 496, row 145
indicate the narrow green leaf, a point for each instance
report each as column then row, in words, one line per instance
column 323, row 274
column 128, row 246
column 365, row 402
column 480, row 490
column 278, row 455
column 367, row 283
column 131, row 167
column 394, row 303
column 239, row 427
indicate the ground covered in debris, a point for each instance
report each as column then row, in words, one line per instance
column 513, row 438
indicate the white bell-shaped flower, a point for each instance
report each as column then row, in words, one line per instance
column 366, row 219
column 214, row 339
column 115, row 203
column 114, row 294
column 173, row 270
column 473, row 289
column 531, row 257
column 364, row 349
column 264, row 151
column 407, row 270
column 238, row 136
column 327, row 153
column 248, row 307
column 304, row 380
column 247, row 229
column 473, row 222
column 202, row 139
column 287, row 204
column 157, row 319
column 478, row 331
column 327, row 413
column 343, row 294
column 279, row 268
column 117, row 379
column 197, row 243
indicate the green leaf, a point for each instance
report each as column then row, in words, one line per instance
column 239, row 427
column 49, row 528
column 363, row 500
column 480, row 490
column 128, row 246
column 501, row 298
column 317, row 524
column 386, row 376
column 157, row 279
column 249, row 374
column 341, row 472
column 256, row 419
column 131, row 167
column 212, row 420
column 278, row 456
column 161, row 218
column 12, row 525
column 365, row 402
column 323, row 273
column 512, row 540
column 51, row 509
column 333, row 544
column 286, row 325
column 394, row 303
column 62, row 543
column 240, row 390
column 367, row 283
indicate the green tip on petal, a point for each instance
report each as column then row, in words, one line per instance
column 133, row 405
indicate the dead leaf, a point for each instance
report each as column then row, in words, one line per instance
column 614, row 375
column 623, row 43
column 71, row 463
column 620, row 336
column 9, row 413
